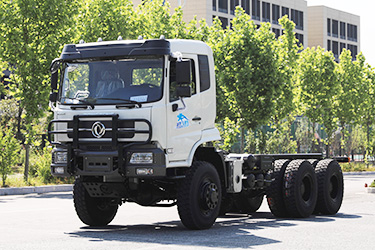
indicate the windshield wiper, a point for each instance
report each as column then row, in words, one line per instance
column 82, row 101
column 128, row 103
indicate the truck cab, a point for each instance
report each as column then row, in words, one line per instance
column 150, row 102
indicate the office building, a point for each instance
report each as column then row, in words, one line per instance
column 333, row 30
column 328, row 28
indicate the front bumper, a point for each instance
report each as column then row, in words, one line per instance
column 108, row 155
column 107, row 163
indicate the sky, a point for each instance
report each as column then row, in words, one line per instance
column 364, row 9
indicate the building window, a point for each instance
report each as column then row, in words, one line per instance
column 246, row 6
column 342, row 47
column 335, row 28
column 335, row 50
column 277, row 32
column 255, row 10
column 354, row 50
column 266, row 12
column 224, row 22
column 352, row 32
column 233, row 5
column 299, row 38
column 329, row 48
column 284, row 11
column 214, row 5
column 275, row 13
column 342, row 30
column 223, row 6
column 297, row 18
column 329, row 27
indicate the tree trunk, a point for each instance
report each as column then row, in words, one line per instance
column 368, row 143
column 242, row 147
column 19, row 119
column 26, row 173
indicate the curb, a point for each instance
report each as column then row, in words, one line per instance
column 38, row 190
column 359, row 173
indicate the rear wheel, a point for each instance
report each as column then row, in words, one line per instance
column 247, row 203
column 300, row 188
column 199, row 196
column 92, row 211
column 330, row 187
column 274, row 192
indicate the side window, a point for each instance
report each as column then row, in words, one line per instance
column 173, row 84
column 204, row 72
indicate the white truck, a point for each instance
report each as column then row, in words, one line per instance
column 134, row 121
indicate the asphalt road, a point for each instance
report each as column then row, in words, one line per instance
column 48, row 221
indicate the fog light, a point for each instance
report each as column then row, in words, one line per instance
column 61, row 157
column 59, row 170
column 141, row 158
column 145, row 171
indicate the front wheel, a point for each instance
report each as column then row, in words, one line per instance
column 92, row 211
column 199, row 196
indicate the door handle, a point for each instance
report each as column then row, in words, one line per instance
column 196, row 119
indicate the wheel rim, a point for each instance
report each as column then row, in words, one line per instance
column 333, row 187
column 306, row 188
column 209, row 196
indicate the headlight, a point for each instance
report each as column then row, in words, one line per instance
column 59, row 170
column 141, row 158
column 61, row 157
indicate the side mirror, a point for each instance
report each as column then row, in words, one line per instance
column 183, row 91
column 54, row 80
column 183, row 72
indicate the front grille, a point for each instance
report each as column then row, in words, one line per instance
column 85, row 128
column 80, row 128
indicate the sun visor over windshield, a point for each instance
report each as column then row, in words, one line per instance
column 118, row 49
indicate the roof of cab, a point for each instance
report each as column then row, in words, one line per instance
column 124, row 48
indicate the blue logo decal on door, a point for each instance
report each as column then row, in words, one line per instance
column 182, row 121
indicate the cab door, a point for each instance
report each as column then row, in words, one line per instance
column 183, row 116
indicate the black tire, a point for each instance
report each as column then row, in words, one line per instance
column 300, row 189
column 313, row 162
column 92, row 211
column 248, row 204
column 330, row 187
column 199, row 196
column 275, row 198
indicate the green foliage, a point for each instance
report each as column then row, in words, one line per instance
column 229, row 133
column 356, row 167
column 105, row 19
column 372, row 184
column 9, row 152
column 317, row 87
column 248, row 80
column 40, row 165
column 32, row 34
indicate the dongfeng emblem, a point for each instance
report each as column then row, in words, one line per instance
column 98, row 129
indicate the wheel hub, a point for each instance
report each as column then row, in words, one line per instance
column 210, row 196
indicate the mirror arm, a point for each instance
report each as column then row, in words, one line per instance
column 183, row 103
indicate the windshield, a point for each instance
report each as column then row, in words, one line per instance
column 111, row 82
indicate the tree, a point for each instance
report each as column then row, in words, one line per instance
column 105, row 19
column 32, row 34
column 349, row 97
column 9, row 152
column 246, row 70
column 317, row 89
column 366, row 113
